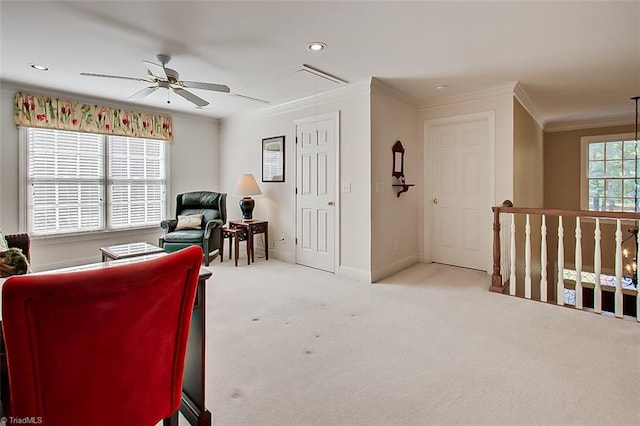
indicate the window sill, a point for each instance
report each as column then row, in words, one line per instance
column 95, row 235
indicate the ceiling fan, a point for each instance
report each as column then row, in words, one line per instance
column 167, row 78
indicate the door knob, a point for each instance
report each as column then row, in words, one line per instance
column 330, row 203
column 435, row 201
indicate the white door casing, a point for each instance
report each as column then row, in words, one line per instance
column 461, row 179
column 316, row 203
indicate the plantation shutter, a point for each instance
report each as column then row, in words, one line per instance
column 136, row 181
column 66, row 174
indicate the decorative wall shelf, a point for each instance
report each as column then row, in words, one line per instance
column 404, row 186
column 398, row 169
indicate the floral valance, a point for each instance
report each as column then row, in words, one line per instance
column 43, row 111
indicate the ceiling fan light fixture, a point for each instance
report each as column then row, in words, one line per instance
column 316, row 46
column 39, row 67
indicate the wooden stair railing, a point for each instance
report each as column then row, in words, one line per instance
column 498, row 284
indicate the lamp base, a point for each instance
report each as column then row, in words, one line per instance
column 246, row 206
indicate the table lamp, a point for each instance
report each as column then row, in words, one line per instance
column 245, row 187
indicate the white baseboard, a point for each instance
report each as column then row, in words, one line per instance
column 284, row 256
column 397, row 266
column 354, row 274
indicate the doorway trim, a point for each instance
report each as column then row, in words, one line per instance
column 335, row 115
column 490, row 118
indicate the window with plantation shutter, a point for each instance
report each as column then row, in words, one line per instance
column 136, row 181
column 84, row 182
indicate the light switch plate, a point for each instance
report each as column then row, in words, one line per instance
column 346, row 187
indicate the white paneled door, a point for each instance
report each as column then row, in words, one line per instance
column 460, row 182
column 315, row 193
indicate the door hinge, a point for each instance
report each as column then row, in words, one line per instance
column 296, row 190
column 296, row 240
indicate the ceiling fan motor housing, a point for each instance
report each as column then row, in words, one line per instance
column 163, row 59
column 172, row 75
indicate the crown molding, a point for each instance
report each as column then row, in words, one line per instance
column 526, row 103
column 590, row 123
column 506, row 89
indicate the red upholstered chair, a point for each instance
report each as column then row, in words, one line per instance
column 103, row 346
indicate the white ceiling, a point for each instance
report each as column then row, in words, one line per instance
column 575, row 60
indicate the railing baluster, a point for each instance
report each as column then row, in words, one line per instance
column 618, row 293
column 527, row 259
column 597, row 266
column 496, row 278
column 506, row 248
column 578, row 262
column 543, row 260
column 560, row 285
column 505, row 256
column 512, row 277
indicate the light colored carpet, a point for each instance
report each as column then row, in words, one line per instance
column 289, row 345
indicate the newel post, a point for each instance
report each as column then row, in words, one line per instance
column 496, row 277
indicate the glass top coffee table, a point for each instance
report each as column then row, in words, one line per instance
column 124, row 251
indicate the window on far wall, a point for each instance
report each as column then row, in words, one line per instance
column 610, row 179
column 84, row 182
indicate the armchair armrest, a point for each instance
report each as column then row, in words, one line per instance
column 21, row 241
column 211, row 225
column 169, row 225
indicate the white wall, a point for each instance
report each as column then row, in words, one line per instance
column 394, row 220
column 500, row 101
column 241, row 153
column 194, row 157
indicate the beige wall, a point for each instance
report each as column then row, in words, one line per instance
column 562, row 165
column 394, row 220
column 193, row 157
column 528, row 159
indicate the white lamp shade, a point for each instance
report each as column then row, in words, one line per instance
column 246, row 186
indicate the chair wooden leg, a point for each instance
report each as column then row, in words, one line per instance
column 172, row 420
column 221, row 245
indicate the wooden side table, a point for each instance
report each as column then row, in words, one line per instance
column 253, row 227
column 237, row 235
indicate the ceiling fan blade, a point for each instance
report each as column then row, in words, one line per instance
column 89, row 74
column 143, row 93
column 191, row 97
column 158, row 69
column 206, row 86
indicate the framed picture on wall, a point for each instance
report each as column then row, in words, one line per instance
column 273, row 159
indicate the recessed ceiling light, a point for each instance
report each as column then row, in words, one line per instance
column 316, row 46
column 39, row 67
column 441, row 86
